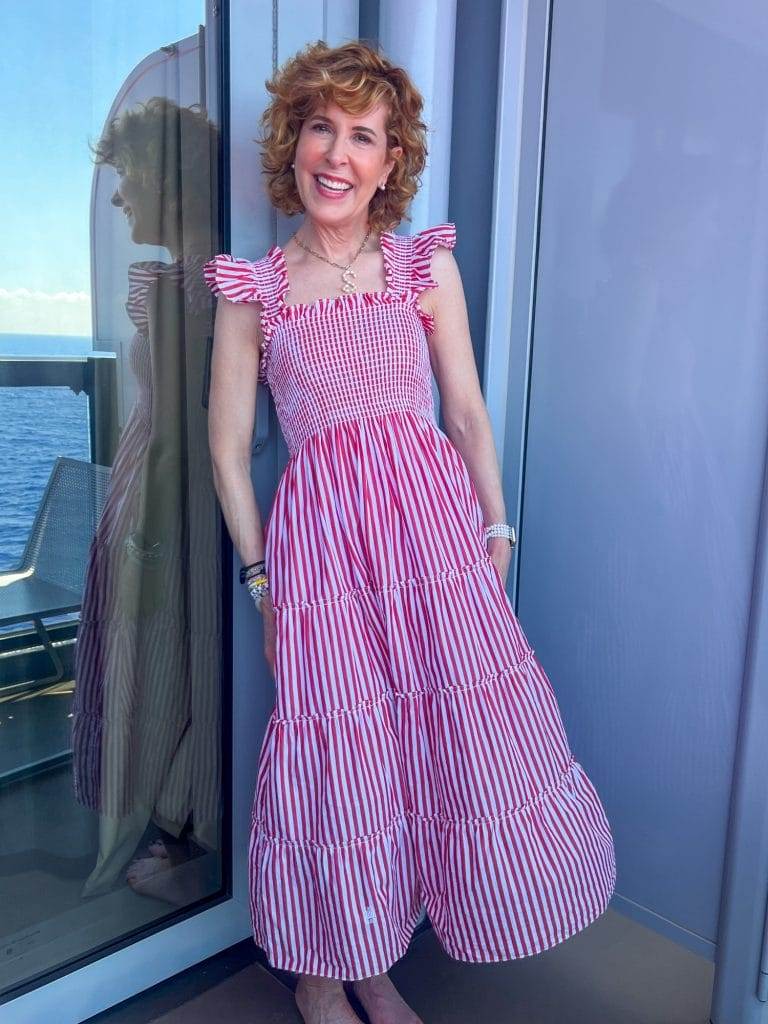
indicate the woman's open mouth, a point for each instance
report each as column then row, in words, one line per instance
column 330, row 189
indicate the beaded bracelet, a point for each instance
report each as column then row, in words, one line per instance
column 501, row 530
column 245, row 569
column 258, row 586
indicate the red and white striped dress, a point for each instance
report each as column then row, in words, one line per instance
column 415, row 755
column 145, row 711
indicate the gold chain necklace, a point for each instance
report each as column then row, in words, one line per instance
column 348, row 277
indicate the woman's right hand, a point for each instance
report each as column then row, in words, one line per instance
column 268, row 614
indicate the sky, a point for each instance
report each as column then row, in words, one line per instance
column 63, row 62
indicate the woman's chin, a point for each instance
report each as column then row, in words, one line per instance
column 329, row 211
column 140, row 237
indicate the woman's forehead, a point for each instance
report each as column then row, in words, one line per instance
column 331, row 110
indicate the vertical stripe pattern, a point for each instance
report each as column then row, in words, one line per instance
column 146, row 707
column 415, row 755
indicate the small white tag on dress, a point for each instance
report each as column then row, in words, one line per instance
column 369, row 915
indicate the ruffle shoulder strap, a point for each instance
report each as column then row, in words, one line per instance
column 185, row 274
column 423, row 245
column 141, row 276
column 241, row 280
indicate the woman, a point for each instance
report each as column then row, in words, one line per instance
column 416, row 755
column 145, row 709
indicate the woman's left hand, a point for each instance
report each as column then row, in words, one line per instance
column 500, row 551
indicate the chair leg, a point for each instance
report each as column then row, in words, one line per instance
column 51, row 651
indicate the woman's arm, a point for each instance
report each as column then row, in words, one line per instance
column 231, row 410
column 463, row 407
column 461, row 398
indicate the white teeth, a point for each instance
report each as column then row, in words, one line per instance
column 334, row 185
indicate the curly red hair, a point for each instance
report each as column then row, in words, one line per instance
column 355, row 76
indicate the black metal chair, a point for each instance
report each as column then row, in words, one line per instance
column 49, row 579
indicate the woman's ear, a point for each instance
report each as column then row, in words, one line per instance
column 395, row 153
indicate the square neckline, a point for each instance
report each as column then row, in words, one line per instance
column 330, row 301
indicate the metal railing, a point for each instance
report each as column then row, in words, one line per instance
column 24, row 657
column 94, row 373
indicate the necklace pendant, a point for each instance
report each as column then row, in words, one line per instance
column 348, row 277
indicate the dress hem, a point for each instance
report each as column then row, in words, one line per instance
column 477, row 956
column 497, row 956
column 287, row 963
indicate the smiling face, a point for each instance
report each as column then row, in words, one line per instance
column 341, row 159
column 141, row 208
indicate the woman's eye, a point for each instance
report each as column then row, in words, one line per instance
column 323, row 127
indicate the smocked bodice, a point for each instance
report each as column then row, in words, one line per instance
column 355, row 362
column 345, row 357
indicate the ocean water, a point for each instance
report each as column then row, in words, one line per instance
column 36, row 425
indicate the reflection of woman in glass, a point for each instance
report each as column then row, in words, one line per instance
column 145, row 723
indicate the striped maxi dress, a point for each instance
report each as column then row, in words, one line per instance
column 146, row 705
column 415, row 756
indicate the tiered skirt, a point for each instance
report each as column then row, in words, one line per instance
column 416, row 756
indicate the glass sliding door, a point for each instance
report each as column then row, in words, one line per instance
column 113, row 804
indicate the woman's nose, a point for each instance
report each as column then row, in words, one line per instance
column 337, row 150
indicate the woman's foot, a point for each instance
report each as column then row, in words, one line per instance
column 154, row 876
column 323, row 1001
column 382, row 1002
column 178, row 884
